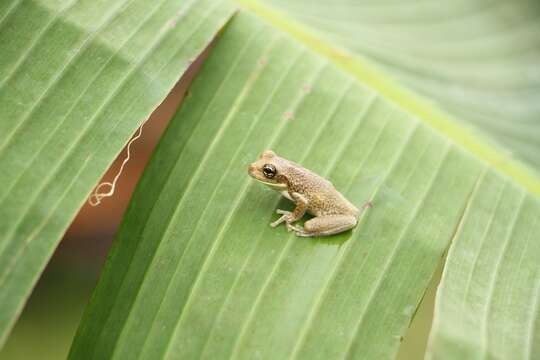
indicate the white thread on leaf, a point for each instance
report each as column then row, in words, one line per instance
column 95, row 197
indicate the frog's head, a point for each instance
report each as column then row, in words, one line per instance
column 269, row 169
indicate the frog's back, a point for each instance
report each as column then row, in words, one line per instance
column 331, row 202
column 322, row 196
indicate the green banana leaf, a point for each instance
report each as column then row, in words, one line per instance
column 76, row 79
column 476, row 59
column 197, row 272
column 487, row 305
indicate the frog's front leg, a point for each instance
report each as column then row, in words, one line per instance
column 289, row 217
column 327, row 225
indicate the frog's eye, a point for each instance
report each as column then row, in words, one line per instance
column 269, row 170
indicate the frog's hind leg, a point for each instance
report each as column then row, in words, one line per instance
column 327, row 225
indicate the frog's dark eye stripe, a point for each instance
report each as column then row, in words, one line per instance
column 269, row 170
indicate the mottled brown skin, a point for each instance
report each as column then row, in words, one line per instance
column 310, row 192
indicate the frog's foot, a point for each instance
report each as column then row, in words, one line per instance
column 303, row 233
column 296, row 229
column 285, row 216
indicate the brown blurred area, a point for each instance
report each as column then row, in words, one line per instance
column 92, row 231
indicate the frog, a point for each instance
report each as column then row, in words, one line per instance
column 332, row 212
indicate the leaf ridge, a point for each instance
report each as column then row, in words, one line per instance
column 390, row 258
column 535, row 309
column 429, row 113
column 69, row 152
column 314, row 308
column 9, row 11
column 510, row 231
column 53, row 19
column 196, row 173
column 234, row 109
column 20, row 126
column 285, row 249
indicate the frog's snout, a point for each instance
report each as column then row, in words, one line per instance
column 251, row 169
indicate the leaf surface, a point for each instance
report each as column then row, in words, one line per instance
column 196, row 271
column 76, row 79
column 477, row 60
column 488, row 300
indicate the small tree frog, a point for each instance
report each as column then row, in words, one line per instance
column 311, row 193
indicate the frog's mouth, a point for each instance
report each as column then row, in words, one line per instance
column 275, row 186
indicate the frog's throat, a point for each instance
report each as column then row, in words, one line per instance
column 274, row 186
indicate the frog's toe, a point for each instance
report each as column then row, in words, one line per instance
column 294, row 228
column 276, row 223
column 283, row 212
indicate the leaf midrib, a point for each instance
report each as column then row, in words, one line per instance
column 369, row 74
